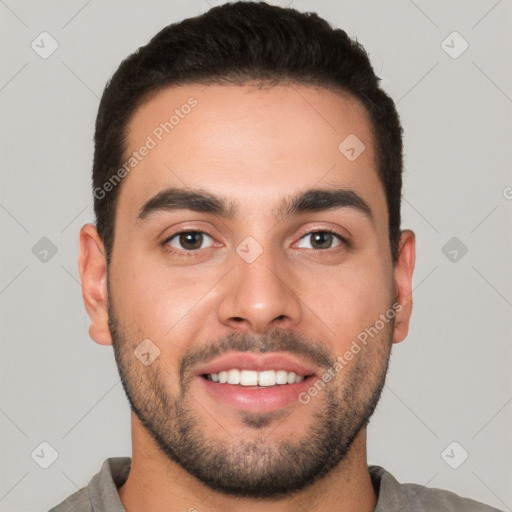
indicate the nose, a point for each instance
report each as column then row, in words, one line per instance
column 259, row 296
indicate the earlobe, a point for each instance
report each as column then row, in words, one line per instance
column 93, row 274
column 403, row 271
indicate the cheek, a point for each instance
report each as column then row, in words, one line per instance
column 351, row 300
column 167, row 305
column 135, row 289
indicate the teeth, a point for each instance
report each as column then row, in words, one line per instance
column 234, row 377
column 248, row 378
column 267, row 378
column 253, row 378
column 281, row 377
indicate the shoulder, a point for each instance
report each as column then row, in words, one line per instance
column 77, row 502
column 418, row 498
column 101, row 492
column 430, row 498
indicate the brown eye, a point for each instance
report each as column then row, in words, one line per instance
column 189, row 240
column 322, row 240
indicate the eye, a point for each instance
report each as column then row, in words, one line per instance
column 189, row 240
column 323, row 240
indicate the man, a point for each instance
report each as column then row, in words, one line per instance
column 248, row 267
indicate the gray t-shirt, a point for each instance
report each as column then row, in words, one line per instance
column 101, row 493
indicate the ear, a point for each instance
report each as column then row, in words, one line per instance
column 92, row 264
column 404, row 268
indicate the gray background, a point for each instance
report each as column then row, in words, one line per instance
column 449, row 381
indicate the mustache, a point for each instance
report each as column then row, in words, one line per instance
column 276, row 340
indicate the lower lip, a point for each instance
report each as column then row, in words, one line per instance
column 257, row 399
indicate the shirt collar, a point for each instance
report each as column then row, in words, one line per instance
column 389, row 491
column 103, row 486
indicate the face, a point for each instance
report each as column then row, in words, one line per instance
column 250, row 245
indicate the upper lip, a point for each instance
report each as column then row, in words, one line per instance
column 257, row 362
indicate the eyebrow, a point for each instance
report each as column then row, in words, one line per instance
column 312, row 200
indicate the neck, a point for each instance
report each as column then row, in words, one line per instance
column 158, row 484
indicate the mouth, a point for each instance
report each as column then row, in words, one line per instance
column 256, row 382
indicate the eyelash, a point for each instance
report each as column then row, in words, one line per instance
column 165, row 244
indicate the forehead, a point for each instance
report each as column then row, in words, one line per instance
column 246, row 142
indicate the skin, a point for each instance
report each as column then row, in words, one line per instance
column 256, row 147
